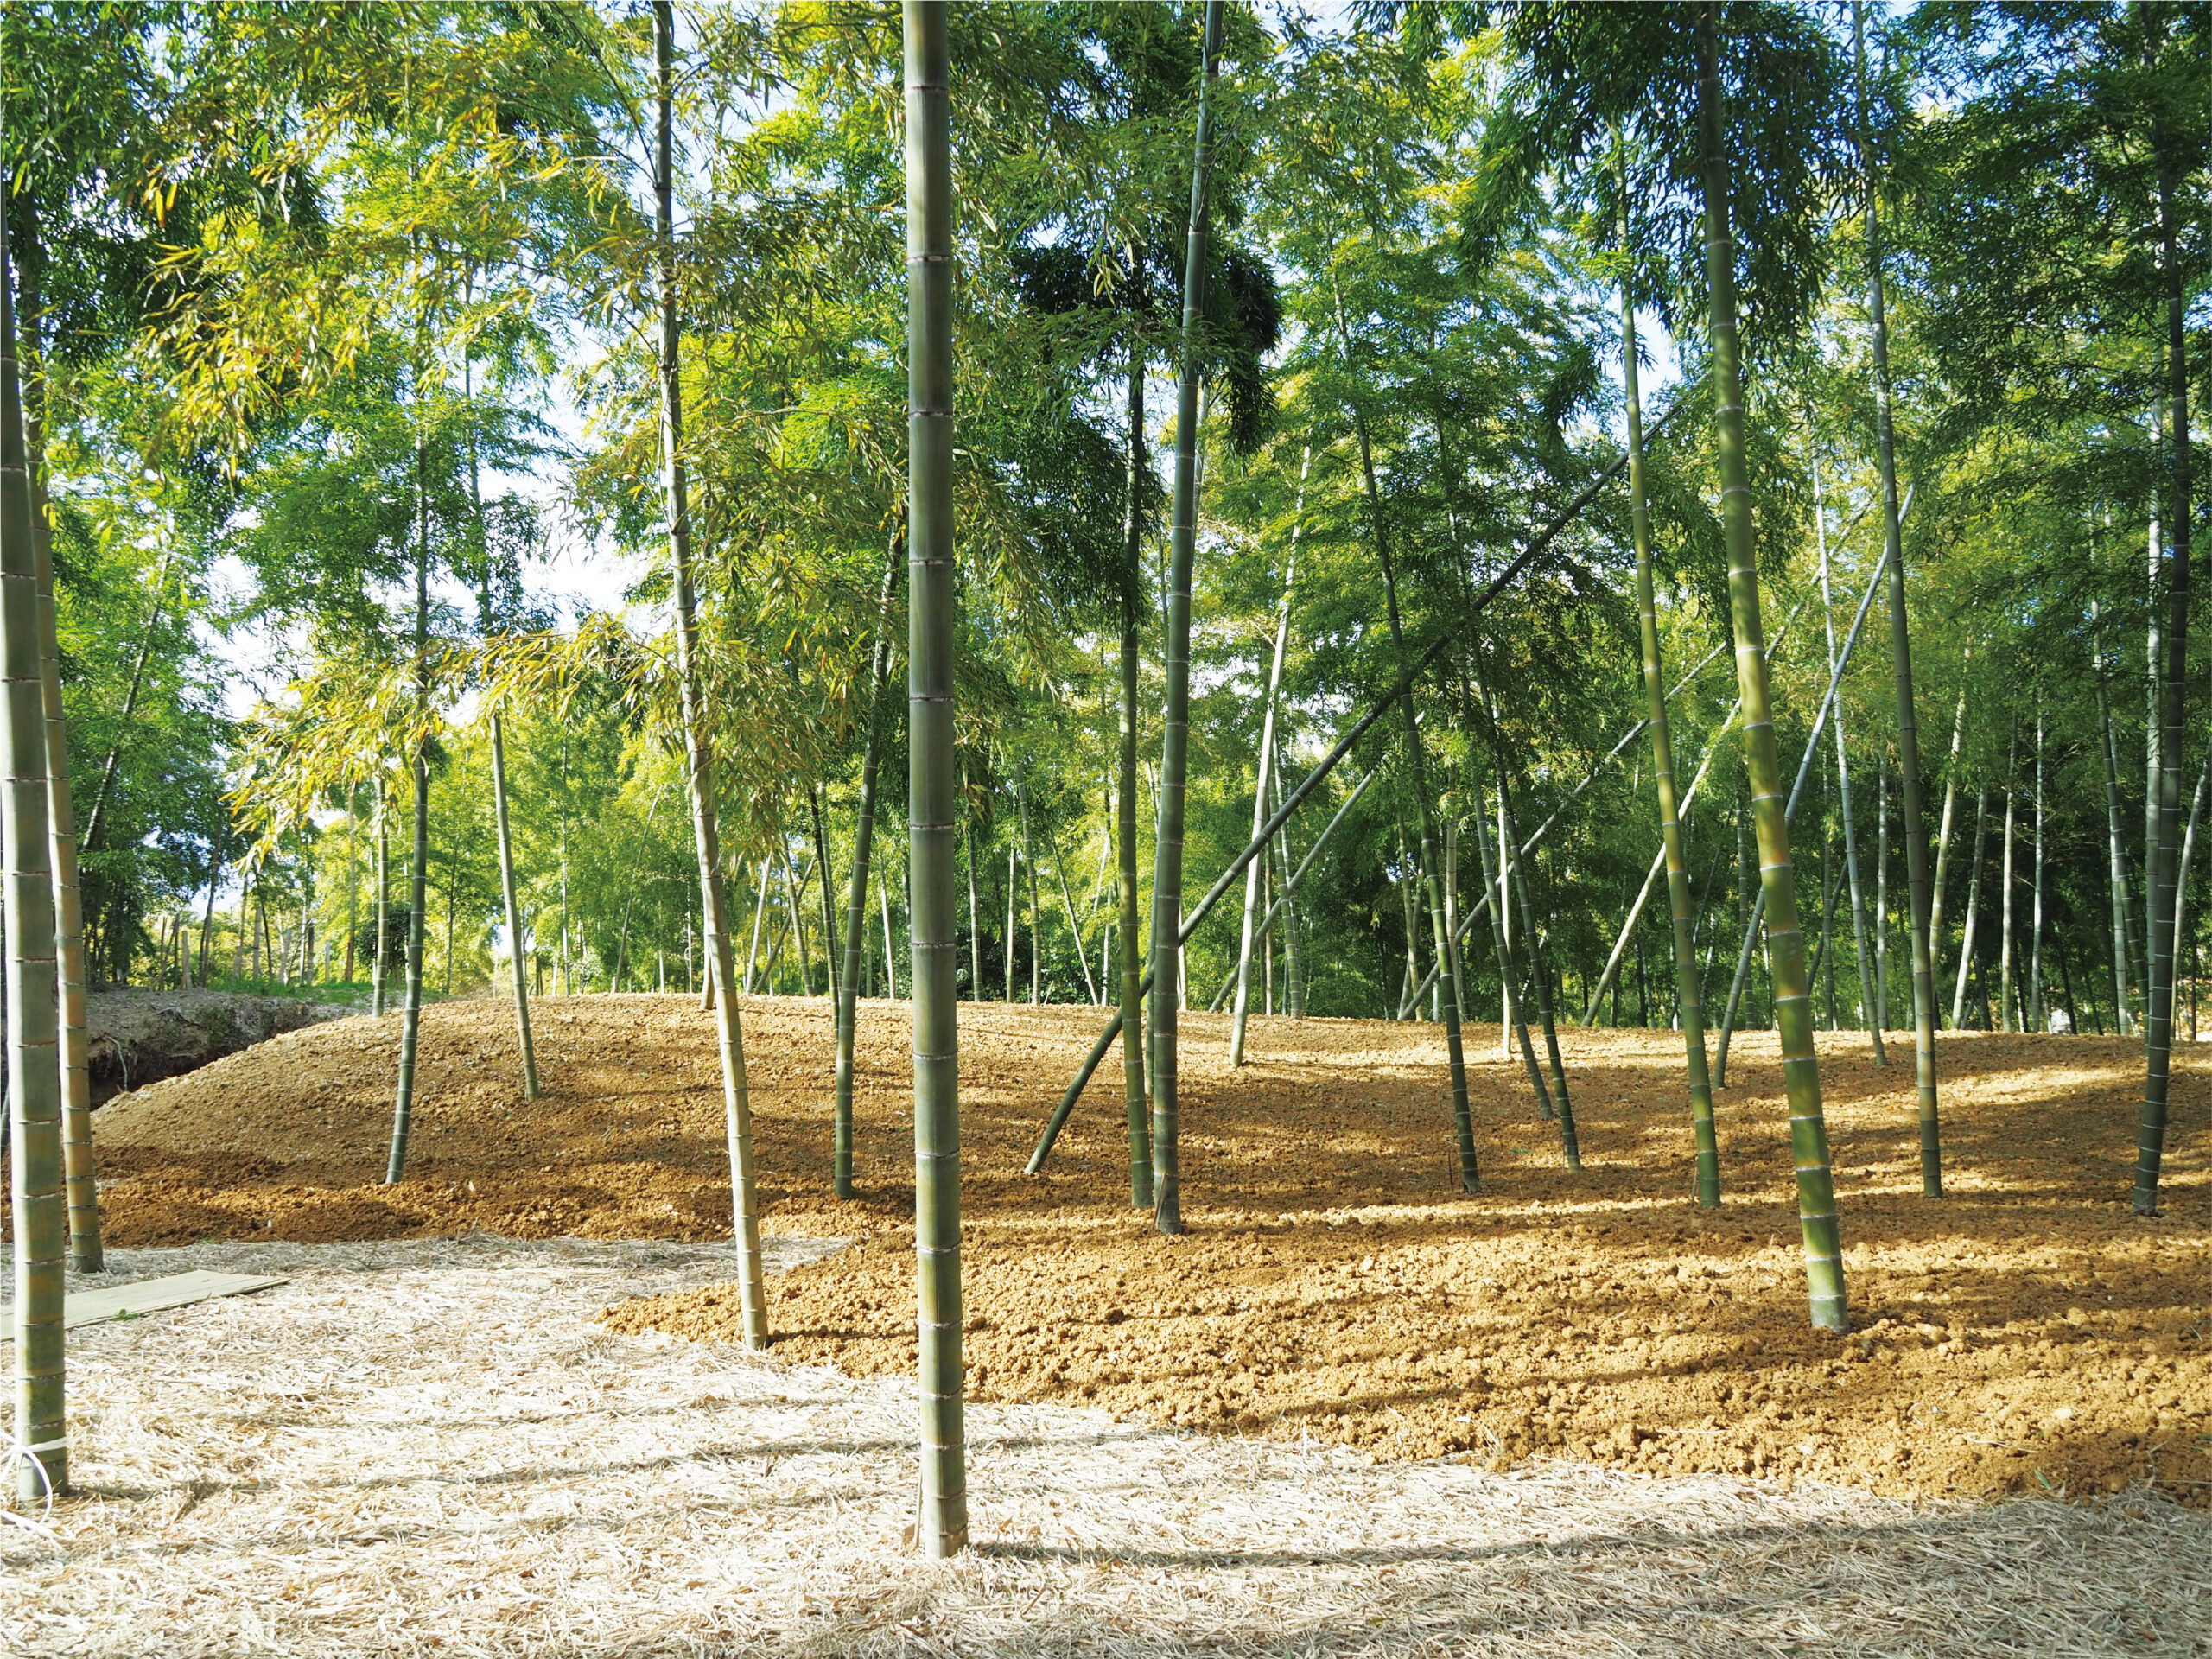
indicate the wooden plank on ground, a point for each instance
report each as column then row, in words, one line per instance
column 145, row 1296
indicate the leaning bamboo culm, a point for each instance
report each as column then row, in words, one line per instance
column 1793, row 1006
column 1263, row 771
column 737, row 1106
column 942, row 1527
column 1874, row 1024
column 38, row 1202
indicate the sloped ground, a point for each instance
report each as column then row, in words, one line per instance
column 2027, row 1333
column 429, row 1446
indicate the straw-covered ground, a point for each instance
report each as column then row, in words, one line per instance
column 432, row 1447
column 2026, row 1334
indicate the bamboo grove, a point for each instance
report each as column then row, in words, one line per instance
column 1674, row 517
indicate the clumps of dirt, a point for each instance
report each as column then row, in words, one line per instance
column 2025, row 1331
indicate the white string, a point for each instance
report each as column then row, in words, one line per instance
column 18, row 1453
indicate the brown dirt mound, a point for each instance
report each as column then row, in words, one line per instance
column 2026, row 1332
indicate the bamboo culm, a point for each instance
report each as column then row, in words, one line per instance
column 2038, row 1018
column 1126, row 938
column 1943, row 833
column 1462, row 1117
column 1973, row 903
column 38, row 1196
column 729, row 1035
column 1537, row 545
column 856, row 904
column 1923, row 900
column 2116, row 861
column 2165, row 854
column 941, row 1526
column 1789, row 814
column 1817, row 1216
column 1867, row 981
column 1563, row 1104
column 418, row 873
column 1167, row 859
column 1264, row 770
column 1672, row 843
column 86, row 1252
column 516, row 957
column 2005, row 888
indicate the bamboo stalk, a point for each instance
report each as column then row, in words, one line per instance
column 523, row 1040
column 2165, row 861
column 1924, row 904
column 1673, row 843
column 729, row 1032
column 1881, row 888
column 856, row 904
column 974, row 922
column 1127, row 940
column 1570, row 1143
column 86, row 1252
column 2117, row 862
column 1282, row 905
column 38, row 1198
column 832, row 967
column 2037, row 1016
column 1973, row 903
column 1293, row 950
column 1167, row 858
column 2005, row 891
column 941, row 1528
column 1872, row 1024
column 1036, row 910
column 1801, row 1070
column 1789, row 814
column 1264, row 769
column 410, row 1031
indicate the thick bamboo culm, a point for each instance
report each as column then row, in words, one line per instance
column 38, row 1200
column 1793, row 1012
column 941, row 1526
column 85, row 1254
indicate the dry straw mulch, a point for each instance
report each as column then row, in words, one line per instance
column 430, row 1448
column 2026, row 1334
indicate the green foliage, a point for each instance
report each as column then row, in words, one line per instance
column 309, row 280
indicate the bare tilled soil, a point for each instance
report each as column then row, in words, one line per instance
column 2026, row 1333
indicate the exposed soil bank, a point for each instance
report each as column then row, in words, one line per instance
column 2025, row 1332
column 141, row 1037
